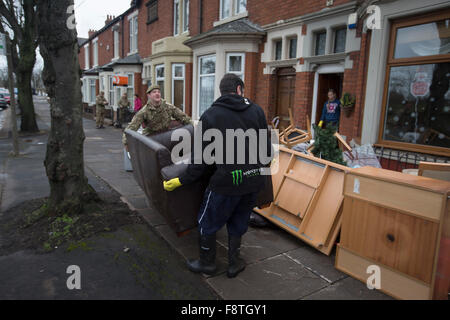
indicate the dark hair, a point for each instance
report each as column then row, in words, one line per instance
column 229, row 84
column 136, row 95
column 332, row 91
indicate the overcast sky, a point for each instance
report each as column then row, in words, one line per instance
column 89, row 14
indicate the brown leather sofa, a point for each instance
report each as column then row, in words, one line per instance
column 152, row 164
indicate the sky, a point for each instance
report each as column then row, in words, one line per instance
column 89, row 14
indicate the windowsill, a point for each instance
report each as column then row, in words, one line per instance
column 285, row 62
column 131, row 53
column 231, row 18
column 326, row 57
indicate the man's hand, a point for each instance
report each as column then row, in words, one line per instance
column 172, row 184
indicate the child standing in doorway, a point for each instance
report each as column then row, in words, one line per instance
column 331, row 112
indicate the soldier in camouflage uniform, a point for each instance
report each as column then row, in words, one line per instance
column 156, row 115
column 123, row 105
column 100, row 103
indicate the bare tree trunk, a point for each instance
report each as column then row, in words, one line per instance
column 64, row 159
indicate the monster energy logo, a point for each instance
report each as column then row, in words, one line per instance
column 237, row 177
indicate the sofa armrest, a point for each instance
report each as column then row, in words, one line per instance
column 173, row 171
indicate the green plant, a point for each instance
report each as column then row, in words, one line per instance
column 348, row 100
column 326, row 145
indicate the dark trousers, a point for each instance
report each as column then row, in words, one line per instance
column 218, row 210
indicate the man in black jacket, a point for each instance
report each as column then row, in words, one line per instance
column 237, row 178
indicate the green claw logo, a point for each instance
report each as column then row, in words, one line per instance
column 237, row 177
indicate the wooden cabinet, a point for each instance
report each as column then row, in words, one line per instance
column 399, row 223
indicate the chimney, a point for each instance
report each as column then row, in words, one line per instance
column 91, row 33
column 108, row 19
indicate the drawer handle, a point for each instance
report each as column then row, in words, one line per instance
column 390, row 237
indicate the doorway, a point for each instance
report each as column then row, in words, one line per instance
column 285, row 95
column 327, row 81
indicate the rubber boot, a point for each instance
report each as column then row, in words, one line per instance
column 235, row 263
column 207, row 262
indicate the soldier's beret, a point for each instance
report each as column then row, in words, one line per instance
column 153, row 87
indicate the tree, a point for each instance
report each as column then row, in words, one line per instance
column 64, row 161
column 20, row 18
column 326, row 145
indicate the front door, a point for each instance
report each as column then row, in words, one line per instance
column 285, row 95
column 327, row 81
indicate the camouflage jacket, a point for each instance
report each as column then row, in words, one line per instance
column 100, row 101
column 156, row 119
column 124, row 103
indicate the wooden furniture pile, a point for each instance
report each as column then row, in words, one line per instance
column 401, row 224
column 293, row 135
column 307, row 198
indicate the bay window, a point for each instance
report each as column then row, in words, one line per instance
column 159, row 70
column 236, row 63
column 206, row 82
column 416, row 102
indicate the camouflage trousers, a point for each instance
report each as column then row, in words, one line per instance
column 121, row 115
column 100, row 116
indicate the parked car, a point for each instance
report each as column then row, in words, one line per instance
column 3, row 103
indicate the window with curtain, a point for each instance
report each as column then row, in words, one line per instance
column 340, row 36
column 225, row 9
column 240, row 6
column 278, row 49
column 235, row 64
column 178, row 85
column 293, row 48
column 92, row 90
column 176, row 17
column 111, row 91
column 186, row 16
column 206, row 81
column 152, row 11
column 416, row 107
column 160, row 77
column 130, row 90
column 320, row 40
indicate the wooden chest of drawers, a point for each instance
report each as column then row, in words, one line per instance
column 399, row 223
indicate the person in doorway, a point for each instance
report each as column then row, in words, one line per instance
column 331, row 111
column 156, row 116
column 232, row 191
column 124, row 104
column 100, row 103
column 137, row 103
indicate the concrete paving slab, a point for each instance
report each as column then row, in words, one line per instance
column 317, row 263
column 348, row 289
column 277, row 278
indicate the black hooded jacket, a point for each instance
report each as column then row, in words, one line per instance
column 230, row 176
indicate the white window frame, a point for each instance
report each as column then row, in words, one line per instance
column 86, row 57
column 179, row 78
column 221, row 9
column 236, row 54
column 176, row 17
column 200, row 75
column 92, row 96
column 130, row 86
column 111, row 92
column 116, row 44
column 95, row 53
column 163, row 79
column 235, row 5
column 133, row 32
column 185, row 14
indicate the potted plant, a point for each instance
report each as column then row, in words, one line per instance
column 347, row 103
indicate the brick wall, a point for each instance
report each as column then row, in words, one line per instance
column 161, row 28
column 269, row 11
column 105, row 47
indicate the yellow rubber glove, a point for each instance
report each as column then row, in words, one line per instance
column 320, row 124
column 172, row 184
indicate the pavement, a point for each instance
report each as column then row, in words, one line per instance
column 279, row 266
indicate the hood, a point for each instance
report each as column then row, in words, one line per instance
column 233, row 102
